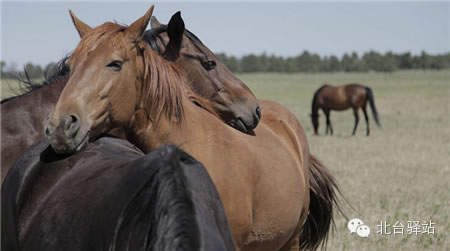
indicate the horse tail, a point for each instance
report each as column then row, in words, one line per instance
column 323, row 200
column 371, row 98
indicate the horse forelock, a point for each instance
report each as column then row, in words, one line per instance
column 165, row 88
column 105, row 32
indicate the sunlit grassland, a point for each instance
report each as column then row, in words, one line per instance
column 11, row 87
column 400, row 172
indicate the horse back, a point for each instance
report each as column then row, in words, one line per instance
column 334, row 98
column 356, row 94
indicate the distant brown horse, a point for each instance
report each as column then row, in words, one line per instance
column 341, row 98
column 263, row 180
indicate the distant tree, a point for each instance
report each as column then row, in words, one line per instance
column 446, row 60
column 251, row 63
column 334, row 64
column 34, row 71
column 290, row 65
column 264, row 62
column 346, row 63
column 275, row 64
column 425, row 61
column 352, row 63
column 405, row 61
column 373, row 60
column 307, row 62
column 2, row 65
column 234, row 64
column 389, row 63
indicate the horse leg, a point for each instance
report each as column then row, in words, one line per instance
column 327, row 114
column 355, row 112
column 367, row 119
column 329, row 122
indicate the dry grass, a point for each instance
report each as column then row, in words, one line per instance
column 399, row 173
column 11, row 87
column 8, row 87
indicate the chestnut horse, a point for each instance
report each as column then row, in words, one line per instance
column 117, row 82
column 24, row 116
column 341, row 98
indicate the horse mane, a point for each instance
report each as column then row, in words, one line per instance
column 166, row 87
column 162, row 213
column 314, row 101
column 163, row 80
column 51, row 76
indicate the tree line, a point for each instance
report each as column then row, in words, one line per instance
column 310, row 62
column 304, row 62
column 30, row 70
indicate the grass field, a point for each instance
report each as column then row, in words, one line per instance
column 400, row 173
column 9, row 87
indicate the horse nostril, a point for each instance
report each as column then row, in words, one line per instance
column 47, row 131
column 74, row 118
column 258, row 112
column 71, row 125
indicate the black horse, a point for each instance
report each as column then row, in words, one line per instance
column 111, row 197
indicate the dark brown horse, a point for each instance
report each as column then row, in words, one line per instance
column 162, row 108
column 24, row 117
column 111, row 197
column 339, row 98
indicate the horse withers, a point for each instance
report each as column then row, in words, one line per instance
column 340, row 98
column 111, row 197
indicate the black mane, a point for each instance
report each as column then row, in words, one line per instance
column 163, row 211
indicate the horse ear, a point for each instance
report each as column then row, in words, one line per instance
column 81, row 27
column 175, row 31
column 154, row 23
column 137, row 28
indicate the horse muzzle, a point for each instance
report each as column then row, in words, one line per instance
column 68, row 136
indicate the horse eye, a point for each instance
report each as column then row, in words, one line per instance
column 209, row 65
column 115, row 65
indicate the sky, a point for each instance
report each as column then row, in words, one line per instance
column 42, row 32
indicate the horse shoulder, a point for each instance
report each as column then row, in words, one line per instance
column 277, row 115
